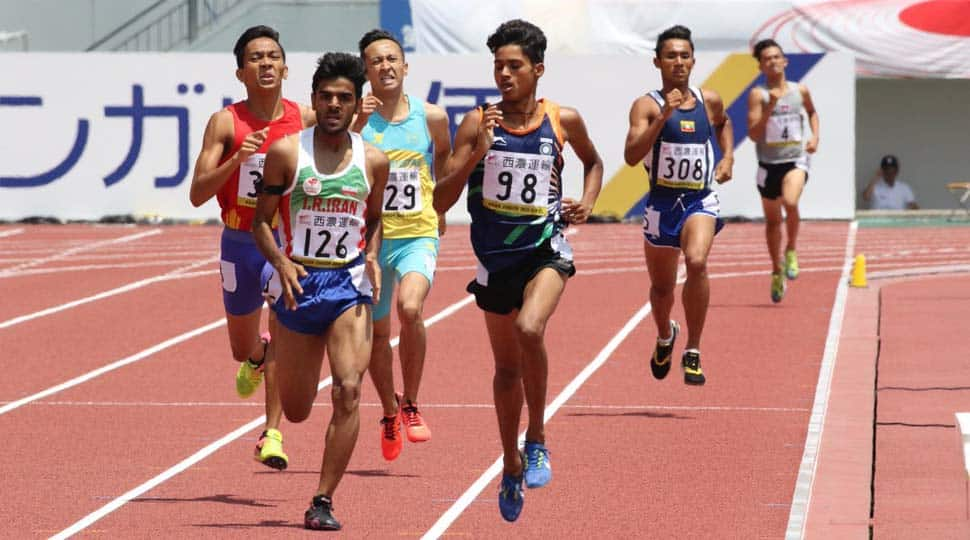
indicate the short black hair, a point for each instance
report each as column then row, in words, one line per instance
column 338, row 64
column 674, row 32
column 522, row 33
column 762, row 45
column 378, row 34
column 250, row 34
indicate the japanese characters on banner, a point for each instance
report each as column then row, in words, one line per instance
column 90, row 135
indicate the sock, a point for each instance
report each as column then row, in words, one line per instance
column 695, row 351
column 668, row 341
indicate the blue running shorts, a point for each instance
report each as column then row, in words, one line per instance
column 664, row 215
column 240, row 266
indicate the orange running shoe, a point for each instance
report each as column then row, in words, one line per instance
column 391, row 439
column 414, row 424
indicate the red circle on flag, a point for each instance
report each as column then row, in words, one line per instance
column 939, row 17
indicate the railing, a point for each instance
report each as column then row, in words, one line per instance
column 180, row 24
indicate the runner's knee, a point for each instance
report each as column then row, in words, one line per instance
column 345, row 395
column 696, row 264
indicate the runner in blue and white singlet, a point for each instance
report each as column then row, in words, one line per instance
column 681, row 169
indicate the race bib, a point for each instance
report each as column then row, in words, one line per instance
column 682, row 165
column 326, row 239
column 250, row 175
column 402, row 195
column 517, row 183
column 784, row 130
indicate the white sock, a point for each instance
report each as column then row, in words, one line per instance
column 668, row 341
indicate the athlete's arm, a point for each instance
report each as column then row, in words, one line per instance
column 472, row 141
column 308, row 116
column 724, row 132
column 758, row 114
column 812, row 144
column 368, row 105
column 574, row 132
column 379, row 169
column 209, row 175
column 646, row 122
column 278, row 171
column 441, row 140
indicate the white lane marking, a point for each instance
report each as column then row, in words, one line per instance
column 210, row 449
column 11, row 232
column 84, row 267
column 178, row 273
column 806, row 469
column 79, row 249
column 469, row 496
column 111, row 367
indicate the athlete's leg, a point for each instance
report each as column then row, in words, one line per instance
column 349, row 342
column 244, row 336
column 540, row 298
column 274, row 407
column 299, row 371
column 772, row 209
column 381, row 365
column 696, row 238
column 662, row 268
column 507, row 385
column 792, row 186
column 412, row 292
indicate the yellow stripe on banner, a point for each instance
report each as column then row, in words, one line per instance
column 628, row 185
column 624, row 189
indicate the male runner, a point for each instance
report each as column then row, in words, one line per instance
column 414, row 136
column 327, row 184
column 672, row 132
column 776, row 123
column 510, row 155
column 229, row 167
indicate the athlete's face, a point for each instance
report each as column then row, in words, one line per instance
column 385, row 65
column 772, row 61
column 335, row 103
column 515, row 75
column 263, row 65
column 675, row 61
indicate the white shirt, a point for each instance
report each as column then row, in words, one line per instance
column 894, row 197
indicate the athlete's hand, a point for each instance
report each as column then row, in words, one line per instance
column 574, row 211
column 251, row 143
column 672, row 101
column 724, row 170
column 442, row 225
column 486, row 129
column 373, row 268
column 290, row 274
column 368, row 105
column 811, row 145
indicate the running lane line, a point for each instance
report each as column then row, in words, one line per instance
column 178, row 273
column 79, row 249
column 11, row 232
column 467, row 498
column 210, row 449
column 806, row 470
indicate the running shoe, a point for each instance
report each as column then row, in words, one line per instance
column 269, row 450
column 538, row 470
column 510, row 497
column 391, row 439
column 414, row 424
column 250, row 374
column 791, row 264
column 777, row 287
column 691, row 362
column 660, row 362
column 319, row 516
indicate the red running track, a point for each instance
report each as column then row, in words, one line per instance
column 633, row 457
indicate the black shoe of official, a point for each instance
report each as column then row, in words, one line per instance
column 319, row 516
column 660, row 362
column 691, row 362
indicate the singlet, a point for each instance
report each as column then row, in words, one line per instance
column 408, row 209
column 515, row 192
column 323, row 216
column 237, row 197
column 783, row 133
column 682, row 157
